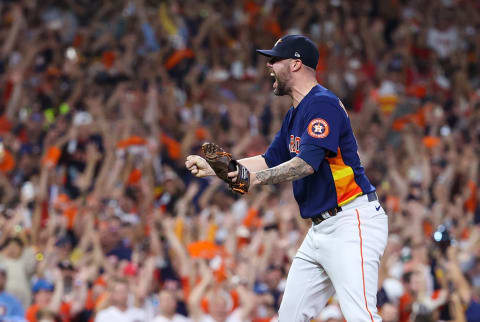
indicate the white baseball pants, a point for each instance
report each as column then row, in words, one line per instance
column 341, row 254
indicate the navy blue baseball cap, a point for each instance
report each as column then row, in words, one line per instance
column 296, row 47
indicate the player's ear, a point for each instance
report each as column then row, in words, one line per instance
column 295, row 65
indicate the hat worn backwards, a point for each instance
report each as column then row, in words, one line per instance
column 295, row 47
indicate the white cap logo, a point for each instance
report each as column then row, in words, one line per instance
column 297, row 54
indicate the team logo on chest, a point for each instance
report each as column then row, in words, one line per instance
column 318, row 128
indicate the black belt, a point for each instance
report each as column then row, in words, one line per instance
column 372, row 196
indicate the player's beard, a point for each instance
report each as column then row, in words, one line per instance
column 282, row 88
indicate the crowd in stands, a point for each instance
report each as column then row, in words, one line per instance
column 101, row 101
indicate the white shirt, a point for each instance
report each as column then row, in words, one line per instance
column 443, row 42
column 19, row 272
column 176, row 318
column 112, row 313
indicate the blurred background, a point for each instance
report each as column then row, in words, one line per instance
column 101, row 101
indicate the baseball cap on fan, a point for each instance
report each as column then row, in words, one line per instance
column 295, row 47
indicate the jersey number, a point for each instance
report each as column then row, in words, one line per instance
column 294, row 144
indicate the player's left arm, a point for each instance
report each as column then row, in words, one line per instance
column 291, row 170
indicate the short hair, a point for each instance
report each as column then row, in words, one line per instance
column 12, row 240
column 407, row 277
column 118, row 280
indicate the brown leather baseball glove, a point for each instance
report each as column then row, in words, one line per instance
column 222, row 163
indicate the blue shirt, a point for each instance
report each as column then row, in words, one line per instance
column 10, row 308
column 318, row 130
column 473, row 312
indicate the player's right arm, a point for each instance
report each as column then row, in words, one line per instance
column 253, row 164
column 200, row 168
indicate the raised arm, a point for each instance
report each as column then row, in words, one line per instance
column 195, row 298
column 14, row 31
column 56, row 300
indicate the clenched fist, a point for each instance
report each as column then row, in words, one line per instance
column 198, row 166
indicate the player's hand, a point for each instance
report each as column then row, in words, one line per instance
column 198, row 166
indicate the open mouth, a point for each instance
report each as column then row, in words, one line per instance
column 272, row 74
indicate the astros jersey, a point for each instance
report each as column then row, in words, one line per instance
column 319, row 132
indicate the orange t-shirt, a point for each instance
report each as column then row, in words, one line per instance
column 404, row 307
column 31, row 314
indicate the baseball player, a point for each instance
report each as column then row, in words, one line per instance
column 316, row 150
